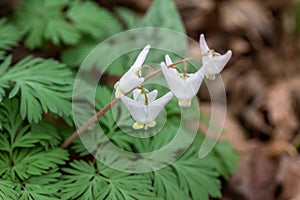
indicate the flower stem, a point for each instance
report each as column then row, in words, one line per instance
column 94, row 118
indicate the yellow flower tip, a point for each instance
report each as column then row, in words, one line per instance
column 139, row 125
column 210, row 76
column 151, row 124
column 119, row 91
column 184, row 102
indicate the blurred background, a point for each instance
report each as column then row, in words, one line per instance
column 262, row 83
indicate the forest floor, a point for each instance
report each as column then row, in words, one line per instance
column 263, row 91
column 262, row 86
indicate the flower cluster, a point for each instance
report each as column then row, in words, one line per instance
column 144, row 107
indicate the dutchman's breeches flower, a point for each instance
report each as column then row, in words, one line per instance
column 184, row 86
column 212, row 61
column 144, row 108
column 132, row 78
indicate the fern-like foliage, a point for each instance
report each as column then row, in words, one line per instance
column 43, row 20
column 187, row 178
column 86, row 180
column 7, row 190
column 92, row 19
column 43, row 85
column 9, row 36
column 62, row 21
column 25, row 165
column 96, row 23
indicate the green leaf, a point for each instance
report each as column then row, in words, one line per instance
column 226, row 158
column 9, row 36
column 50, row 137
column 103, row 97
column 92, row 19
column 86, row 181
column 96, row 23
column 36, row 161
column 41, row 20
column 163, row 14
column 74, row 56
column 172, row 40
column 129, row 18
column 296, row 16
column 7, row 190
column 45, row 186
column 44, row 85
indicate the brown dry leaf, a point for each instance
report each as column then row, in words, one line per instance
column 280, row 4
column 289, row 178
column 247, row 15
column 280, row 107
column 255, row 177
column 207, row 5
column 232, row 131
column 239, row 46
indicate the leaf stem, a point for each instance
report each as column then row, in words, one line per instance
column 94, row 118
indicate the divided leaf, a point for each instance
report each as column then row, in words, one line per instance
column 89, row 18
column 43, row 85
column 9, row 36
column 41, row 20
column 86, row 181
column 7, row 190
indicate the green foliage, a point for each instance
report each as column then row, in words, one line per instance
column 35, row 103
column 9, row 36
column 296, row 16
column 43, row 20
column 129, row 18
column 187, row 178
column 93, row 20
column 62, row 21
column 43, row 85
column 6, row 190
column 25, row 165
column 161, row 14
column 96, row 181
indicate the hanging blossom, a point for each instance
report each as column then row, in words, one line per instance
column 212, row 61
column 144, row 108
column 133, row 77
column 183, row 85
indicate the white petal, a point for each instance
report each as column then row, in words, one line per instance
column 126, row 100
column 215, row 65
column 136, row 109
column 176, row 84
column 203, row 45
column 157, row 105
column 130, row 80
column 141, row 58
column 138, row 96
column 168, row 60
column 116, row 84
column 195, row 80
column 152, row 96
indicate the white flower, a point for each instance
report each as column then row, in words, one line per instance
column 144, row 108
column 183, row 86
column 212, row 61
column 132, row 78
